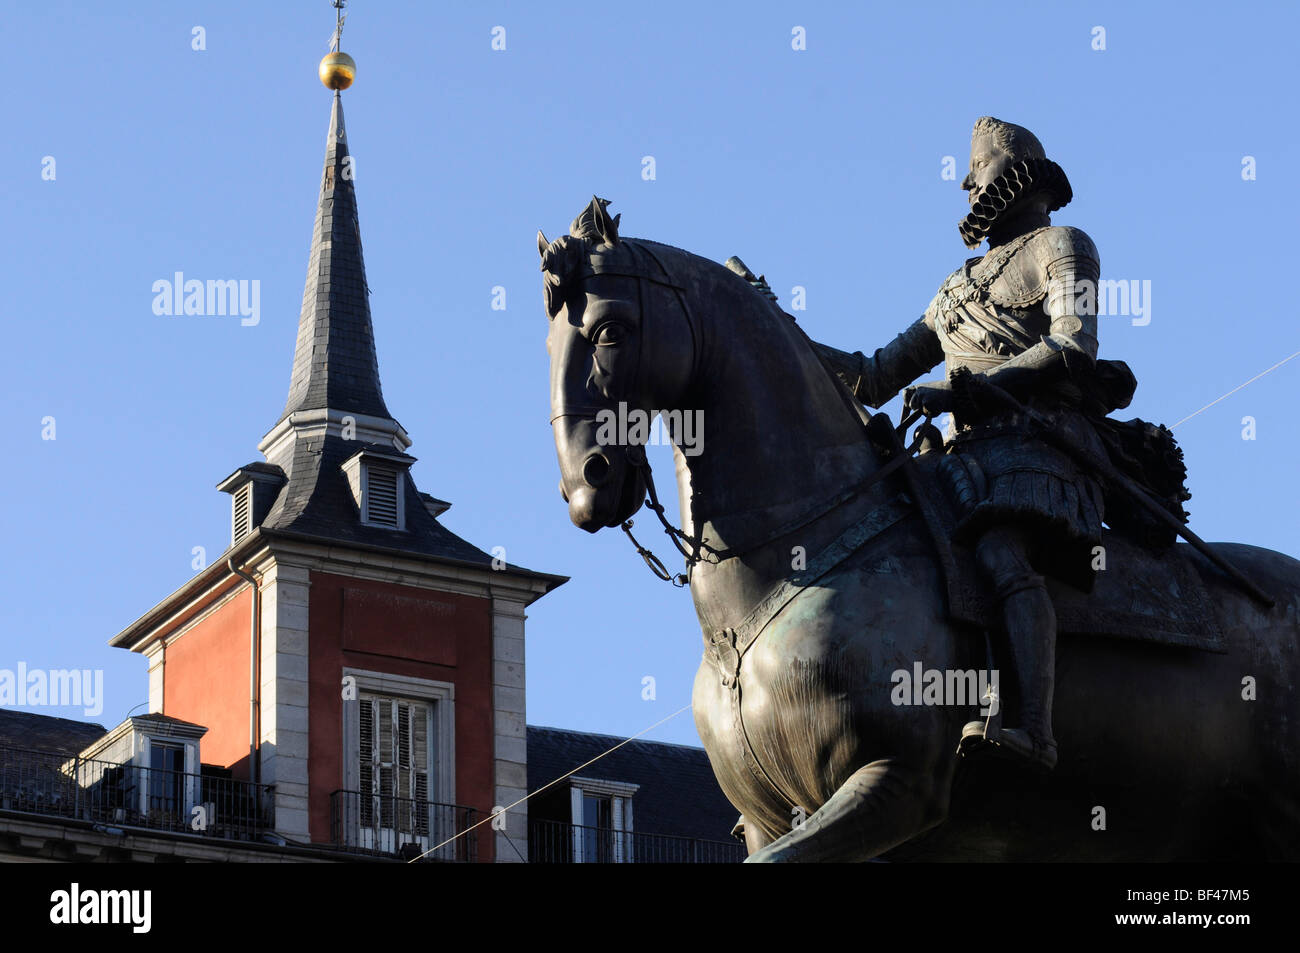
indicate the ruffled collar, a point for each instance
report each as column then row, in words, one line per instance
column 1006, row 195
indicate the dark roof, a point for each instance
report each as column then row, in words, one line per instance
column 169, row 720
column 678, row 793
column 440, row 506
column 21, row 729
column 259, row 466
column 334, row 361
column 318, row 502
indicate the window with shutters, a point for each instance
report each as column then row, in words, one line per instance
column 382, row 498
column 398, row 762
column 395, row 755
column 241, row 520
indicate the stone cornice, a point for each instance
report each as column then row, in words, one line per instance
column 262, row 548
column 321, row 420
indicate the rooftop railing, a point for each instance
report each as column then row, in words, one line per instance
column 129, row 795
column 555, row 842
column 403, row 827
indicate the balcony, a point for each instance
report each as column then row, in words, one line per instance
column 403, row 827
column 128, row 795
column 554, row 842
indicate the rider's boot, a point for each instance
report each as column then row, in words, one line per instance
column 1030, row 623
column 1031, row 631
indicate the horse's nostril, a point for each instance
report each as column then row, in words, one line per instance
column 563, row 495
column 596, row 470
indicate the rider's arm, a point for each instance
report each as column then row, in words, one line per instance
column 876, row 379
column 1070, row 347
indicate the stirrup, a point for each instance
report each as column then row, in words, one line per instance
column 976, row 736
column 1008, row 742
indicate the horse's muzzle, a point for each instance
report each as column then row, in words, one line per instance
column 596, row 482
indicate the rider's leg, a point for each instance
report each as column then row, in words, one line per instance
column 1030, row 621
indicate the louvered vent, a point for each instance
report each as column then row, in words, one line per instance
column 381, row 495
column 241, row 523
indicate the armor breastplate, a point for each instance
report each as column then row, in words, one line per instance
column 990, row 309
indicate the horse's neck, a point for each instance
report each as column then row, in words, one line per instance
column 780, row 442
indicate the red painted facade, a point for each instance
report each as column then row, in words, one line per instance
column 205, row 680
column 398, row 630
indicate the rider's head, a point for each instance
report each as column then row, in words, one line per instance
column 994, row 147
column 1012, row 186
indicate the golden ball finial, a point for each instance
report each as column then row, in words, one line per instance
column 338, row 70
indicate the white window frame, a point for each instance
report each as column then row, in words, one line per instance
column 441, row 698
column 620, row 794
column 143, row 759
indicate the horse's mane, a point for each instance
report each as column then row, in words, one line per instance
column 594, row 234
column 593, row 246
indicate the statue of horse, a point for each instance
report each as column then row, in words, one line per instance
column 816, row 584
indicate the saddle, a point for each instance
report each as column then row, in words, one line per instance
column 1144, row 595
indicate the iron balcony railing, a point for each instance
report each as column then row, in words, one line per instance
column 555, row 842
column 129, row 795
column 403, row 827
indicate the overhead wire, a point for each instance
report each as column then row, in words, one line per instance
column 549, row 784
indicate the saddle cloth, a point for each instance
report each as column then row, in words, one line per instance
column 1140, row 595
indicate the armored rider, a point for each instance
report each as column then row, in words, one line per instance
column 1021, row 317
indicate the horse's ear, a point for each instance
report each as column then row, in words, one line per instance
column 607, row 227
column 594, row 223
column 542, row 244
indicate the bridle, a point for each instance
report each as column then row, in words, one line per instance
column 635, row 453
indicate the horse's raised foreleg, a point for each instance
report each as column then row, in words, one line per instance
column 880, row 806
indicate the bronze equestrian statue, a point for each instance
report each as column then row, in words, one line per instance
column 824, row 560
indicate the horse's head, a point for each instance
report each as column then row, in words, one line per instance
column 609, row 373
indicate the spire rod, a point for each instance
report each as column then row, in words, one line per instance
column 340, row 16
column 337, row 69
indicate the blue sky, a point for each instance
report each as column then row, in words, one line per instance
column 820, row 168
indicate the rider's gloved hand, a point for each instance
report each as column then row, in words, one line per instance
column 931, row 398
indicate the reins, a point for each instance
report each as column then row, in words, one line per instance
column 636, row 457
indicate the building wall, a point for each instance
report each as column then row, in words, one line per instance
column 205, row 681
column 407, row 631
column 510, row 730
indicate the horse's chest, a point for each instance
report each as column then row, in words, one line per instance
column 779, row 726
column 812, row 700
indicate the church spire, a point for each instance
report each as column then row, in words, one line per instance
column 334, row 364
column 336, row 471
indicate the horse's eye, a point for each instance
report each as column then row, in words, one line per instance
column 609, row 334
